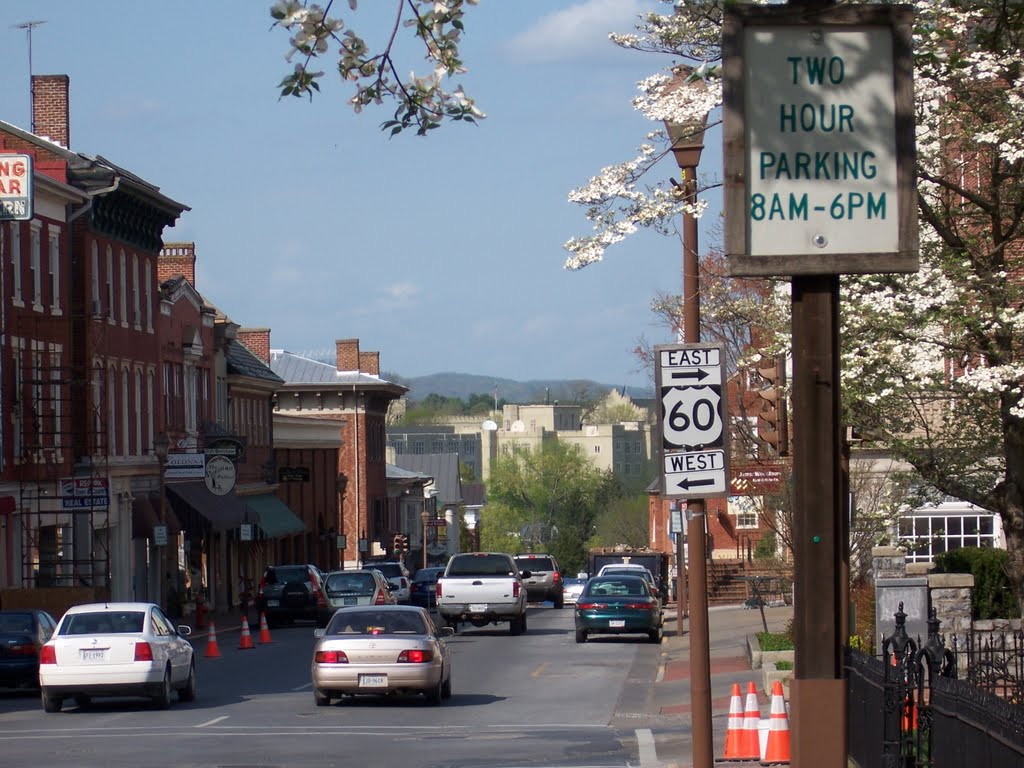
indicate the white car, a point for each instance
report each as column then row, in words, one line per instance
column 116, row 649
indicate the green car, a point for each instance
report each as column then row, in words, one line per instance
column 617, row 605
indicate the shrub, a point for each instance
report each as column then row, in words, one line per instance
column 775, row 641
column 783, row 666
column 993, row 596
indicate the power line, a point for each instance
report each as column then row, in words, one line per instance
column 28, row 26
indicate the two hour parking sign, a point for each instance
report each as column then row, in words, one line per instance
column 692, row 420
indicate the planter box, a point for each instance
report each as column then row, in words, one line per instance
column 770, row 673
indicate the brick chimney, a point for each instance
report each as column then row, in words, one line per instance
column 177, row 259
column 369, row 362
column 347, row 354
column 257, row 341
column 51, row 108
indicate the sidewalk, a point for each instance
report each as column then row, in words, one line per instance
column 728, row 628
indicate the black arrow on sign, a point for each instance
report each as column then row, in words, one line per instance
column 699, row 374
column 687, row 483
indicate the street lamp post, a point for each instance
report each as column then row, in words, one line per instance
column 339, row 543
column 687, row 143
column 161, row 445
column 425, row 518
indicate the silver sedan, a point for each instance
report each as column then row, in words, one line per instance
column 387, row 649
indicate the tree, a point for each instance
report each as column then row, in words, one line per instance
column 420, row 101
column 623, row 521
column 932, row 365
column 551, row 497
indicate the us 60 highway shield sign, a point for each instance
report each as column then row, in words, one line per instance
column 692, row 420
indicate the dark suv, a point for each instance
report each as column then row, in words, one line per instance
column 290, row 592
column 544, row 581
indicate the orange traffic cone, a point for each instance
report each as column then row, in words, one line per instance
column 264, row 629
column 246, row 637
column 777, row 749
column 750, row 742
column 212, row 649
column 734, row 730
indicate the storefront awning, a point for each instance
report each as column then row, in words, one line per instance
column 274, row 516
column 224, row 512
column 146, row 514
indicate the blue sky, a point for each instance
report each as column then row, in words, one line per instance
column 443, row 253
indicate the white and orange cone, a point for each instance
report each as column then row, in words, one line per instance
column 734, row 729
column 264, row 629
column 246, row 642
column 750, row 743
column 212, row 649
column 777, row 749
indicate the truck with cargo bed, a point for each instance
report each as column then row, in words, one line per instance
column 482, row 588
column 653, row 560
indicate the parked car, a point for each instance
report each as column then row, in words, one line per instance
column 398, row 577
column 116, row 649
column 544, row 581
column 618, row 605
column 357, row 587
column 22, row 635
column 290, row 592
column 633, row 570
column 390, row 649
column 572, row 588
column 423, row 589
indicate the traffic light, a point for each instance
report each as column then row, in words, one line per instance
column 405, row 543
column 396, row 544
column 772, row 426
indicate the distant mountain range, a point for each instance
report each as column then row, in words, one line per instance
column 462, row 385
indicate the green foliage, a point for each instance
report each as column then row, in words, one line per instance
column 775, row 641
column 548, row 500
column 993, row 596
column 624, row 521
column 783, row 666
column 766, row 547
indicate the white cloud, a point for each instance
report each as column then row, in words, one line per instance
column 402, row 291
column 577, row 31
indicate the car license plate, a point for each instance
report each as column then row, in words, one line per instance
column 273, row 603
column 373, row 681
column 351, row 601
column 613, row 623
column 478, row 608
column 94, row 654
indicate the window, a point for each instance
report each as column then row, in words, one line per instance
column 126, row 448
column 54, row 260
column 168, row 395
column 927, row 535
column 148, row 276
column 110, row 284
column 34, row 266
column 56, row 409
column 744, row 510
column 95, row 280
column 136, row 298
column 112, row 411
column 597, row 449
column 437, row 446
column 122, row 264
column 138, row 412
column 15, row 229
column 417, row 446
column 97, row 405
column 150, row 387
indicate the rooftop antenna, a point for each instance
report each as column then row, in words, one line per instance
column 28, row 26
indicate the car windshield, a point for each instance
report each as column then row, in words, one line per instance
column 428, row 574
column 535, row 564
column 377, row 623
column 616, row 588
column 390, row 570
column 351, row 583
column 16, row 622
column 103, row 623
column 642, row 573
column 286, row 574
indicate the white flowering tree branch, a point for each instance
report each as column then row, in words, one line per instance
column 421, row 101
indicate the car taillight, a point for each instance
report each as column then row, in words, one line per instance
column 515, row 589
column 590, row 606
column 639, row 606
column 556, row 577
column 437, row 589
column 330, row 657
column 22, row 649
column 380, row 599
column 143, row 652
column 48, row 655
column 415, row 657
column 321, row 600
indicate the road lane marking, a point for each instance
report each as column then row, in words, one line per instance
column 303, row 687
column 212, row 722
column 645, row 748
column 538, row 671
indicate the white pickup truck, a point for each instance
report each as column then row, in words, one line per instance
column 483, row 588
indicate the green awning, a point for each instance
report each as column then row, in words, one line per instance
column 275, row 518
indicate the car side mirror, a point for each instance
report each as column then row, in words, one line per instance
column 445, row 632
column 184, row 631
column 319, row 632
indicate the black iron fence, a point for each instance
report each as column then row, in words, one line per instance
column 908, row 709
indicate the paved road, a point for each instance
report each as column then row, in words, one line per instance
column 536, row 700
